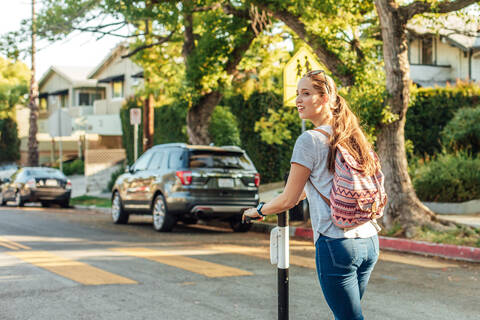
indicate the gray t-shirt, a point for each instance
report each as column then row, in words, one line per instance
column 311, row 151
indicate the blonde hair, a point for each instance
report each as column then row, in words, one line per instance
column 346, row 127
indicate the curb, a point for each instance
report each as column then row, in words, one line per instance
column 448, row 251
column 92, row 208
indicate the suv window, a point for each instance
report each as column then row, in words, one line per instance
column 142, row 163
column 157, row 160
column 216, row 159
column 175, row 159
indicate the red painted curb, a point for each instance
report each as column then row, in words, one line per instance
column 405, row 245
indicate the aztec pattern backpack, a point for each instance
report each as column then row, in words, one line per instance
column 355, row 198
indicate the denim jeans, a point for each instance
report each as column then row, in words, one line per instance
column 344, row 267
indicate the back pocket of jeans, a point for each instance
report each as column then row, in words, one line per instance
column 342, row 252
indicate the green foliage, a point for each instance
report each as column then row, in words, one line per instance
column 114, row 176
column 431, row 109
column 462, row 133
column 448, row 178
column 170, row 123
column 223, row 128
column 91, row 201
column 271, row 160
column 76, row 166
column 460, row 235
column 9, row 141
column 14, row 77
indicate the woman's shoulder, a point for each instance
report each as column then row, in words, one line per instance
column 313, row 137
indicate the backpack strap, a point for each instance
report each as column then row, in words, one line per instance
column 321, row 195
column 325, row 133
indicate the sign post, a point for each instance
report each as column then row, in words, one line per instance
column 301, row 62
column 135, row 120
column 60, row 125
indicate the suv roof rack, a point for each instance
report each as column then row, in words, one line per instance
column 232, row 147
column 174, row 144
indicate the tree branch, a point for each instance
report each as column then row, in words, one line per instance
column 328, row 58
column 420, row 6
column 238, row 51
column 146, row 46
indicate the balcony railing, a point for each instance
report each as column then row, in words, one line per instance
column 431, row 73
column 107, row 106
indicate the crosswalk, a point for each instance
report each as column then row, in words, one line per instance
column 189, row 257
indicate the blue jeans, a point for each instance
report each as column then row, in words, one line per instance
column 344, row 267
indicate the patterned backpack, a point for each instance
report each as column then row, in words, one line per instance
column 355, row 198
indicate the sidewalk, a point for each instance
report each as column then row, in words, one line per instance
column 388, row 243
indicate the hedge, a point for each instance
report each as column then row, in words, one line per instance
column 429, row 112
column 9, row 141
column 462, row 133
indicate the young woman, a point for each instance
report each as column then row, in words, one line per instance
column 345, row 257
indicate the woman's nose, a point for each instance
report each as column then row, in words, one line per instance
column 298, row 99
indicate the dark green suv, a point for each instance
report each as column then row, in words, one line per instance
column 180, row 182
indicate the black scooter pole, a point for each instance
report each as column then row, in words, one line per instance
column 283, row 265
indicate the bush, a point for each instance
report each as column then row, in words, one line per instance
column 449, row 178
column 431, row 109
column 114, row 176
column 9, row 141
column 463, row 131
column 223, row 127
column 76, row 166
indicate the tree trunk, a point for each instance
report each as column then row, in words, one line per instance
column 198, row 118
column 148, row 122
column 403, row 207
column 33, row 104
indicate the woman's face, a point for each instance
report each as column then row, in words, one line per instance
column 309, row 101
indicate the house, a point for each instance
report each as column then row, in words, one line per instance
column 443, row 50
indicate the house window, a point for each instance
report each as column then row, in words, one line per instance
column 84, row 99
column 427, row 50
column 117, row 89
column 63, row 100
column 43, row 103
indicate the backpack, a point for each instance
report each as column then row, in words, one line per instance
column 354, row 198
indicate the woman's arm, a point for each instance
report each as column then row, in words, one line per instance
column 290, row 196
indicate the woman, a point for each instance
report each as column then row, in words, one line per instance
column 345, row 257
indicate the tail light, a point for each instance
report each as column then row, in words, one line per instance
column 185, row 177
column 31, row 184
column 257, row 179
column 68, row 185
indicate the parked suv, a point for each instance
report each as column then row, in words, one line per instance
column 180, row 182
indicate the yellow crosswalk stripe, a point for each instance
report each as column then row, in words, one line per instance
column 12, row 245
column 70, row 269
column 175, row 258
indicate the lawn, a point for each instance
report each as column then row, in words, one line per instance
column 91, row 201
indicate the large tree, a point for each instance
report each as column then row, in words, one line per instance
column 341, row 34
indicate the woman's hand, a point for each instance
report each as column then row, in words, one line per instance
column 251, row 213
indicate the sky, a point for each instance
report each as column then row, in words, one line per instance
column 77, row 50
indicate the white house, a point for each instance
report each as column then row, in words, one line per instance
column 443, row 50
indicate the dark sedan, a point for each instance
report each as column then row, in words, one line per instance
column 37, row 184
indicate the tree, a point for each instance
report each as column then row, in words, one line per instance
column 14, row 77
column 214, row 35
column 404, row 206
column 33, row 100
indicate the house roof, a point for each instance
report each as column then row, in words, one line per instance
column 463, row 32
column 77, row 76
column 120, row 48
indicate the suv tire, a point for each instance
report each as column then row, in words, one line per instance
column 119, row 215
column 238, row 226
column 162, row 220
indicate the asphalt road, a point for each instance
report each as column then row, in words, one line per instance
column 75, row 264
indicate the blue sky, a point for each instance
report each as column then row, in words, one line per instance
column 78, row 50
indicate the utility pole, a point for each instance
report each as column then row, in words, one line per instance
column 33, row 102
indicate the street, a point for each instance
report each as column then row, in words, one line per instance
column 76, row 264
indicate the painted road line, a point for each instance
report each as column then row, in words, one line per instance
column 74, row 270
column 263, row 253
column 174, row 259
column 12, row 244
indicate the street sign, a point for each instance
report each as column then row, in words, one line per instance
column 59, row 124
column 135, row 116
column 301, row 62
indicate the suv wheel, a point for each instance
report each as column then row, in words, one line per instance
column 238, row 226
column 18, row 199
column 119, row 216
column 162, row 219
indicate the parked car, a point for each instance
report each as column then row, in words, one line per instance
column 180, row 182
column 37, row 184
